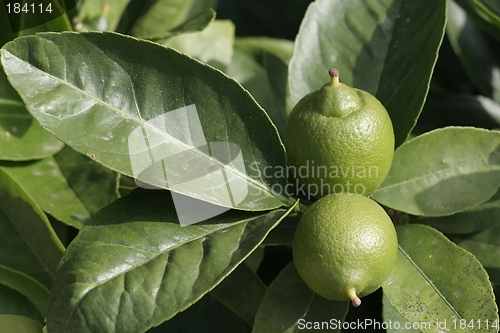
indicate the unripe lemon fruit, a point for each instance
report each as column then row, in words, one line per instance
column 339, row 139
column 345, row 247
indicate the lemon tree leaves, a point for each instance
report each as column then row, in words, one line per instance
column 93, row 95
column 134, row 260
column 290, row 306
column 165, row 15
column 69, row 186
column 387, row 48
column 434, row 279
column 443, row 172
column 28, row 243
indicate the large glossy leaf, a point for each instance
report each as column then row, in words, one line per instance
column 69, row 186
column 433, row 280
column 443, row 172
column 119, row 94
column 32, row 290
column 290, row 306
column 28, row 243
column 21, row 136
column 133, row 266
column 387, row 48
column 477, row 51
column 19, row 324
column 481, row 217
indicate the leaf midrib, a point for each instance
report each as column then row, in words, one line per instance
column 207, row 232
column 430, row 283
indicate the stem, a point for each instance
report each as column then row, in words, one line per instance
column 334, row 77
column 354, row 298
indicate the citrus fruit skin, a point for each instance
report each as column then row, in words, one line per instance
column 344, row 244
column 342, row 137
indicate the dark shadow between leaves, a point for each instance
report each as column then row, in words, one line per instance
column 158, row 206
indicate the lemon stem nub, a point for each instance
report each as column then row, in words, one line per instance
column 354, row 298
column 334, row 77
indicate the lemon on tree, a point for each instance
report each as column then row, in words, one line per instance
column 345, row 247
column 339, row 139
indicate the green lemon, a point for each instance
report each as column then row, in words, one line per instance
column 339, row 140
column 345, row 247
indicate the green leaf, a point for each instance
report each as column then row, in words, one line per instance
column 36, row 293
column 19, row 324
column 443, row 172
column 21, row 136
column 289, row 306
column 13, row 302
column 28, row 243
column 165, row 15
column 241, row 291
column 252, row 76
column 434, row 280
column 133, row 266
column 477, row 51
column 69, row 186
column 485, row 246
column 213, row 46
column 258, row 46
column 196, row 24
column 95, row 185
column 123, row 96
column 102, row 14
column 481, row 217
column 387, row 48
column 398, row 323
